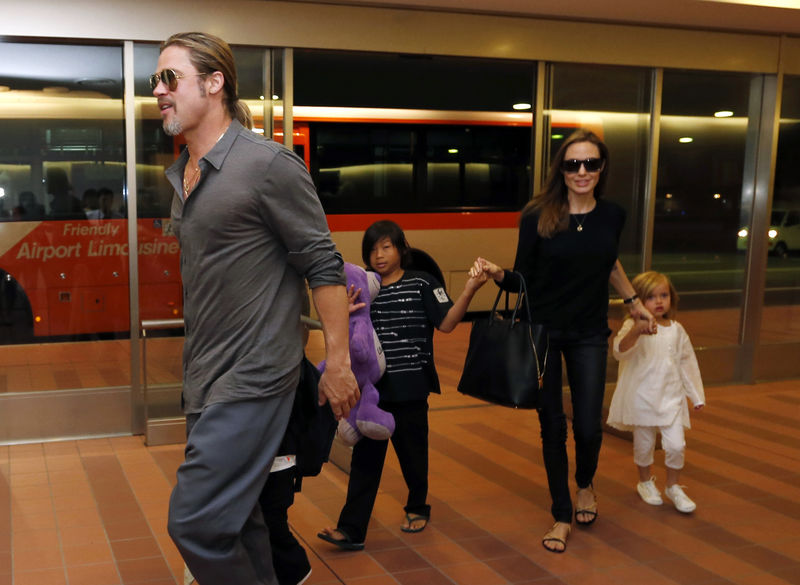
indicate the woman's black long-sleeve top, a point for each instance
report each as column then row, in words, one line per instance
column 567, row 275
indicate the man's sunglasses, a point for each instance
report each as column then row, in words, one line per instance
column 170, row 78
column 573, row 165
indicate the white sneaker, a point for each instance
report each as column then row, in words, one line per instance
column 682, row 502
column 649, row 492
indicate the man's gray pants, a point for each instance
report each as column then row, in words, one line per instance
column 214, row 516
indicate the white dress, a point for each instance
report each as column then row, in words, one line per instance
column 656, row 376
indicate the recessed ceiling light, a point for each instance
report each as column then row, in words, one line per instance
column 723, row 114
column 522, row 106
column 685, row 139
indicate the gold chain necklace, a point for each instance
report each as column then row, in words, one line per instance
column 190, row 183
column 579, row 222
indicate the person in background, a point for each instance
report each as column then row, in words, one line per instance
column 91, row 203
column 105, row 209
column 63, row 204
column 251, row 229
column 29, row 209
column 409, row 305
column 657, row 373
column 568, row 254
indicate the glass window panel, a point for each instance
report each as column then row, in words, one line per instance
column 613, row 102
column 63, row 236
column 399, row 133
column 698, row 209
column 781, row 316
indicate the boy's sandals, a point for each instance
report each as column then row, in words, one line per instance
column 587, row 514
column 555, row 539
column 343, row 541
column 415, row 523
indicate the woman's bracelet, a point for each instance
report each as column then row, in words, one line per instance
column 628, row 301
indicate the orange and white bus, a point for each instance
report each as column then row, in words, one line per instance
column 453, row 180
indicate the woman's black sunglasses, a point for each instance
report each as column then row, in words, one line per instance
column 170, row 78
column 573, row 165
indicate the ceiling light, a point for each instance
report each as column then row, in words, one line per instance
column 557, row 136
column 522, row 106
column 723, row 114
column 685, row 139
column 717, row 196
column 452, row 150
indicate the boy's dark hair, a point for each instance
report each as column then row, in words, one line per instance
column 385, row 229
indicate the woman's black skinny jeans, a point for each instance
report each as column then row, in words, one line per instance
column 585, row 359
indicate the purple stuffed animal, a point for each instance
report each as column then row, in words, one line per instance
column 367, row 362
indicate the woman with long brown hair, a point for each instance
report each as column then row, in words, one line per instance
column 568, row 253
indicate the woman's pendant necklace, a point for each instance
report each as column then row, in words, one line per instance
column 580, row 221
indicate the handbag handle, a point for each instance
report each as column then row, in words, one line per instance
column 522, row 293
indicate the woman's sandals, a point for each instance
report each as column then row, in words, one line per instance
column 415, row 523
column 555, row 539
column 585, row 515
column 345, row 542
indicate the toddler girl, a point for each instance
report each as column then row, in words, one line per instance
column 657, row 372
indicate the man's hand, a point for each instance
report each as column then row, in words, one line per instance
column 338, row 387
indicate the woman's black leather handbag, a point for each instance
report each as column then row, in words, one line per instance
column 506, row 356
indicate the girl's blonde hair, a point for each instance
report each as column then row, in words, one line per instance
column 645, row 283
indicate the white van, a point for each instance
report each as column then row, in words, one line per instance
column 783, row 234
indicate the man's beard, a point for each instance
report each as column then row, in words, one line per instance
column 173, row 128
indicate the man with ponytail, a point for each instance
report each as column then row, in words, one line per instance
column 251, row 229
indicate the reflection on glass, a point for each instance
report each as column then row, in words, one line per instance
column 698, row 208
column 63, row 236
column 613, row 102
column 396, row 133
column 781, row 315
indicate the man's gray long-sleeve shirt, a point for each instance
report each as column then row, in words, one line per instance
column 250, row 231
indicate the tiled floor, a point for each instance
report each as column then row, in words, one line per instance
column 93, row 512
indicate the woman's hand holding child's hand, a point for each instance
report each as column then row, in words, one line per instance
column 476, row 279
column 641, row 315
column 490, row 269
